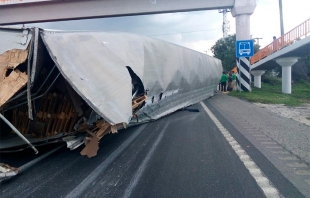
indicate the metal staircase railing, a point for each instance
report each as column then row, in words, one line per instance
column 299, row 32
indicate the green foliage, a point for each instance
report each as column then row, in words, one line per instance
column 301, row 70
column 256, row 48
column 270, row 80
column 272, row 94
column 304, row 82
column 224, row 49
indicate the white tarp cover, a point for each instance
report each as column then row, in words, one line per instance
column 94, row 63
column 14, row 39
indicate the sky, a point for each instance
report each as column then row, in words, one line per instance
column 198, row 30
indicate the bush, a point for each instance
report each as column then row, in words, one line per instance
column 271, row 80
column 302, row 81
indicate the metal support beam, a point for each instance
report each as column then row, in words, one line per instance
column 18, row 133
column 57, row 10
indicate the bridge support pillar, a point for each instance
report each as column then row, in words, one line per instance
column 286, row 63
column 242, row 11
column 257, row 77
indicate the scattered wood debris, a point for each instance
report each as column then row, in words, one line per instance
column 103, row 128
column 7, row 171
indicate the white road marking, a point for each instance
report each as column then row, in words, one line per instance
column 91, row 178
column 283, row 152
column 288, row 158
column 263, row 182
column 134, row 181
column 302, row 172
column 297, row 165
column 269, row 143
column 259, row 135
column 274, row 147
column 253, row 132
column 307, row 181
column 263, row 138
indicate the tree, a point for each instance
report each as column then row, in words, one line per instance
column 225, row 50
column 301, row 70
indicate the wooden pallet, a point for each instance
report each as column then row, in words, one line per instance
column 55, row 115
column 137, row 101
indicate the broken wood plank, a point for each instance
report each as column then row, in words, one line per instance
column 91, row 148
column 12, row 84
column 102, row 130
column 10, row 60
column 136, row 102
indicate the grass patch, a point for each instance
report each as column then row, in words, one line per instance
column 272, row 94
column 308, row 118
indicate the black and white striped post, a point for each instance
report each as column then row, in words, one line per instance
column 244, row 74
column 242, row 11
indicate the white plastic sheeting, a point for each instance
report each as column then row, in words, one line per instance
column 94, row 63
column 14, row 38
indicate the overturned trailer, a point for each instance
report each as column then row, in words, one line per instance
column 77, row 87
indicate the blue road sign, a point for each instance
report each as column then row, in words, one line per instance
column 244, row 48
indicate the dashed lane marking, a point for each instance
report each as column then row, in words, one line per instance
column 263, row 182
column 289, row 158
column 253, row 132
column 248, row 126
column 297, row 165
column 281, row 152
column 79, row 189
column 269, row 143
column 259, row 135
column 273, row 147
column 134, row 181
column 302, row 172
column 263, row 139
column 307, row 181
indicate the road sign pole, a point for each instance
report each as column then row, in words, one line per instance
column 242, row 11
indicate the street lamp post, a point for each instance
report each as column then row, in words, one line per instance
column 281, row 18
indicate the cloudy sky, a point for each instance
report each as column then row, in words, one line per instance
column 198, row 30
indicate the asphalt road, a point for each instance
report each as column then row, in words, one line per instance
column 181, row 155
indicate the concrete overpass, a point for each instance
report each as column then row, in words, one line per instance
column 30, row 11
column 284, row 51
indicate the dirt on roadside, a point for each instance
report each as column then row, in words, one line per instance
column 300, row 113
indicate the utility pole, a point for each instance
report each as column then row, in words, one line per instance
column 225, row 27
column 257, row 40
column 281, row 18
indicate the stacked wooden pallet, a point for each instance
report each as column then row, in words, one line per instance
column 20, row 119
column 55, row 115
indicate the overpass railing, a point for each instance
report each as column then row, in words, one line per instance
column 299, row 32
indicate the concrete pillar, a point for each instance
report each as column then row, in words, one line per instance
column 242, row 11
column 257, row 77
column 286, row 63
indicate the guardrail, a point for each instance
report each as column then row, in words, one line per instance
column 299, row 32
